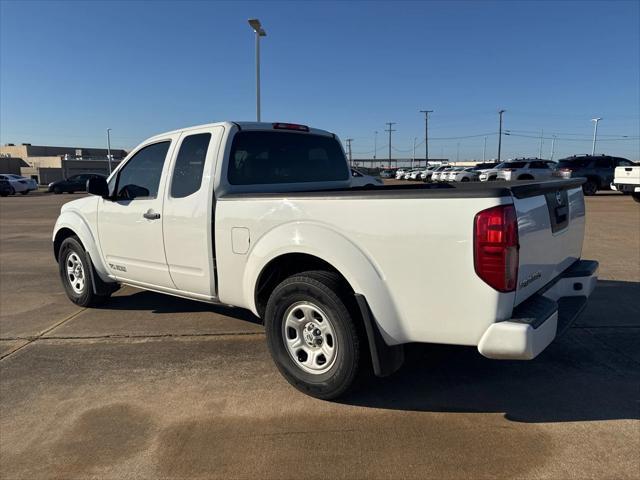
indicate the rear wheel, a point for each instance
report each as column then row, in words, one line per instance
column 312, row 333
column 590, row 187
column 75, row 273
column 57, row 190
column 465, row 179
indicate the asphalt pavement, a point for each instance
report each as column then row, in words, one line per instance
column 150, row 386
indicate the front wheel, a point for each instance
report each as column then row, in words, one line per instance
column 75, row 273
column 590, row 187
column 312, row 334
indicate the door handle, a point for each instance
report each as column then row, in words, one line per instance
column 151, row 215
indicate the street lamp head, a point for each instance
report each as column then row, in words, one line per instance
column 502, row 110
column 257, row 27
column 596, row 119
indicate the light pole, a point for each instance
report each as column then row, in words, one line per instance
column 595, row 134
column 109, row 148
column 500, row 112
column 259, row 31
column 426, row 136
column 484, row 149
column 375, row 144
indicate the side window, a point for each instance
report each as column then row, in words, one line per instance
column 140, row 177
column 623, row 162
column 187, row 173
column 603, row 162
column 539, row 165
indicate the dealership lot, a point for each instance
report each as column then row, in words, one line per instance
column 150, row 386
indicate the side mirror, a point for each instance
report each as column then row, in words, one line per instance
column 98, row 186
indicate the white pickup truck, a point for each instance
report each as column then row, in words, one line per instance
column 263, row 216
column 627, row 180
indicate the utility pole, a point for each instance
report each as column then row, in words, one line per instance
column 109, row 148
column 413, row 160
column 390, row 129
column 595, row 134
column 426, row 136
column 375, row 144
column 500, row 112
column 484, row 150
column 541, row 137
column 259, row 31
column 458, row 153
column 349, row 140
column 553, row 144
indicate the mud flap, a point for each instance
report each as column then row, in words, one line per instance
column 385, row 359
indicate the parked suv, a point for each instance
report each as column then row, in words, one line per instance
column 520, row 169
column 75, row 183
column 597, row 169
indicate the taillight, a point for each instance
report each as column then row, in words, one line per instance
column 495, row 247
column 291, row 126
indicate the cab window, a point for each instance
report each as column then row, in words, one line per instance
column 187, row 173
column 140, row 177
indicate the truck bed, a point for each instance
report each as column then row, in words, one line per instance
column 517, row 189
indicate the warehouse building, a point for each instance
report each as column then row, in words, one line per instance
column 47, row 164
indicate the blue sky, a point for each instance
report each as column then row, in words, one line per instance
column 69, row 70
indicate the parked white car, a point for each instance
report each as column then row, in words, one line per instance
column 467, row 174
column 435, row 172
column 425, row 175
column 400, row 173
column 19, row 184
column 521, row 169
column 359, row 179
column 627, row 180
column 290, row 241
column 414, row 174
column 441, row 174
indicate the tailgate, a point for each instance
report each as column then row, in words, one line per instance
column 551, row 221
column 627, row 175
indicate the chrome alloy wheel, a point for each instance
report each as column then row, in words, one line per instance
column 309, row 337
column 75, row 273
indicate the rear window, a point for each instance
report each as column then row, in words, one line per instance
column 574, row 162
column 283, row 157
column 512, row 165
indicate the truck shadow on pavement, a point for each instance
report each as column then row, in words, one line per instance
column 591, row 373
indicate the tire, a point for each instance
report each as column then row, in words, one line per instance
column 464, row 179
column 24, row 192
column 57, row 190
column 71, row 191
column 297, row 309
column 77, row 285
column 590, row 187
column 636, row 196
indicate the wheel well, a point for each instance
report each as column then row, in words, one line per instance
column 595, row 179
column 282, row 267
column 61, row 236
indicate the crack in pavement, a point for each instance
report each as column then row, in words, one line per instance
column 32, row 339
column 125, row 336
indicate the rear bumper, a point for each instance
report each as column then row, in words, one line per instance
column 625, row 187
column 537, row 321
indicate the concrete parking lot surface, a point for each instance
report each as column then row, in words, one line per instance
column 150, row 386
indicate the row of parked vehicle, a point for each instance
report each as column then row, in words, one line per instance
column 599, row 171
column 10, row 184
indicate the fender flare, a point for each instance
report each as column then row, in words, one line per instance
column 78, row 225
column 351, row 261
